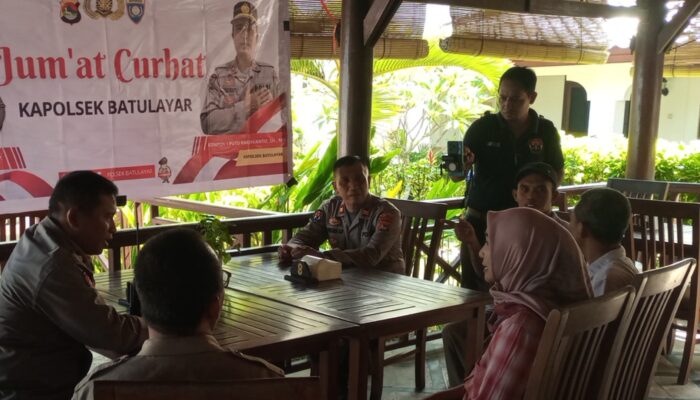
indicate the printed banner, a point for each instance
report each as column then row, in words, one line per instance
column 161, row 96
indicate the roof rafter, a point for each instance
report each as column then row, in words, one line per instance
column 677, row 25
column 377, row 19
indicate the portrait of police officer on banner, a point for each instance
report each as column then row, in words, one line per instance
column 239, row 88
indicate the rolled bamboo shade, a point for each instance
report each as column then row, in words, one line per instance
column 321, row 47
column 527, row 36
column 313, row 28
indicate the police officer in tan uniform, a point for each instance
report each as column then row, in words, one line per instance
column 50, row 312
column 179, row 282
column 240, row 87
column 362, row 229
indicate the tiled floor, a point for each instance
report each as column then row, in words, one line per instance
column 398, row 378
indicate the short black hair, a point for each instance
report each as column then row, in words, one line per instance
column 606, row 212
column 523, row 76
column 348, row 161
column 81, row 190
column 177, row 275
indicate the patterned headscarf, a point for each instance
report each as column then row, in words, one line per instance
column 535, row 261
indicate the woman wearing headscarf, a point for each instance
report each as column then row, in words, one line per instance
column 534, row 266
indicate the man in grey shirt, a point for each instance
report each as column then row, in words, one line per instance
column 50, row 312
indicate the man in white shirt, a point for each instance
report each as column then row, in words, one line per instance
column 598, row 223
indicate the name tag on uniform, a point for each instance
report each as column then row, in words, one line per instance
column 493, row 144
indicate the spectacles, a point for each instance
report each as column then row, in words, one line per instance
column 226, row 276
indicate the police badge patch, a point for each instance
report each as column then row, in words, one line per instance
column 135, row 9
column 536, row 145
column 318, row 216
column 384, row 222
column 70, row 11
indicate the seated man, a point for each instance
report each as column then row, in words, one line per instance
column 362, row 229
column 178, row 279
column 49, row 308
column 598, row 223
column 535, row 187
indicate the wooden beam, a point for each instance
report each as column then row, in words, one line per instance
column 546, row 7
column 377, row 19
column 677, row 25
column 356, row 63
column 646, row 94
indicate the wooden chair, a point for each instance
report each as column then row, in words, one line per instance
column 416, row 220
column 254, row 389
column 666, row 232
column 658, row 294
column 640, row 189
column 576, row 344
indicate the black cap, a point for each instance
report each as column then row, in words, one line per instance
column 540, row 168
column 245, row 9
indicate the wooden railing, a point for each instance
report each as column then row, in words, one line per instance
column 250, row 231
column 258, row 227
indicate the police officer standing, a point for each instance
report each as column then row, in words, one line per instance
column 240, row 87
column 498, row 145
column 362, row 229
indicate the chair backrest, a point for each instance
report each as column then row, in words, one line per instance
column 659, row 294
column 254, row 389
column 418, row 222
column 640, row 189
column 576, row 344
column 662, row 232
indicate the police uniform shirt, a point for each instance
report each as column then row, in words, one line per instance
column 225, row 110
column 49, row 313
column 499, row 155
column 196, row 358
column 371, row 239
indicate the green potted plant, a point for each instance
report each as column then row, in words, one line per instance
column 217, row 235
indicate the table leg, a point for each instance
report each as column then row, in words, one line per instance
column 474, row 348
column 328, row 370
column 358, row 368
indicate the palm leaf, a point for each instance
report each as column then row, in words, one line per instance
column 491, row 68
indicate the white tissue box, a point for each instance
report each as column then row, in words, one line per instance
column 323, row 269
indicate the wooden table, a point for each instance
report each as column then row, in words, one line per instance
column 263, row 327
column 381, row 303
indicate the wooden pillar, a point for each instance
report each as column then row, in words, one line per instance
column 646, row 92
column 356, row 62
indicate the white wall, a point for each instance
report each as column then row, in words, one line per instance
column 551, row 105
column 605, row 85
column 680, row 110
column 608, row 86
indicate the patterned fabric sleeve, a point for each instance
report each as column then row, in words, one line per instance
column 503, row 370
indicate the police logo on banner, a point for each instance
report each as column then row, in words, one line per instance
column 135, row 9
column 104, row 9
column 70, row 11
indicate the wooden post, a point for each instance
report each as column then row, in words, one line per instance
column 646, row 92
column 356, row 62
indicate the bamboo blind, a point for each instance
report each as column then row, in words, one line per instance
column 313, row 28
column 527, row 36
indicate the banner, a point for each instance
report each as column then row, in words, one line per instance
column 161, row 96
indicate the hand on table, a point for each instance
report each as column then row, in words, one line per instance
column 301, row 251
column 285, row 253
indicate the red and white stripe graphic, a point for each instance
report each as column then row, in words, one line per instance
column 217, row 157
column 11, row 158
column 17, row 185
